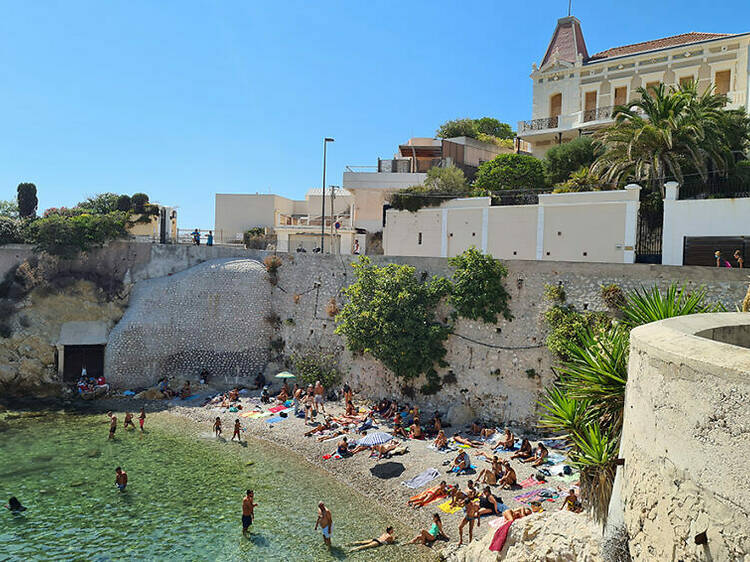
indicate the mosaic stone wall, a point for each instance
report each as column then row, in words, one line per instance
column 213, row 316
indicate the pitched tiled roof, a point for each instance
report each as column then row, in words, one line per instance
column 673, row 41
column 566, row 43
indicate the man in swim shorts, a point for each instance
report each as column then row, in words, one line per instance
column 121, row 480
column 112, row 425
column 248, row 509
column 325, row 521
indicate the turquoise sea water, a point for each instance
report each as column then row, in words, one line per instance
column 183, row 500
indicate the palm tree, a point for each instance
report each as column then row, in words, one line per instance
column 664, row 134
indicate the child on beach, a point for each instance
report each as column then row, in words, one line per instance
column 248, row 510
column 121, row 480
column 217, row 426
column 237, row 429
column 128, row 421
column 112, row 425
column 142, row 417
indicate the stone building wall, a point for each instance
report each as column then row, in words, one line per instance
column 212, row 316
column 685, row 439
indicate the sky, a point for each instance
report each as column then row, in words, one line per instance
column 186, row 99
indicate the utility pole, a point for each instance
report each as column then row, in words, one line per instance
column 333, row 198
column 323, row 199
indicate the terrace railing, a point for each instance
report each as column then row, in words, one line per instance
column 539, row 124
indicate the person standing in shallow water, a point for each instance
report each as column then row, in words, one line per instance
column 325, row 522
column 112, row 425
column 248, row 510
column 121, row 480
column 217, row 426
column 142, row 417
column 237, row 429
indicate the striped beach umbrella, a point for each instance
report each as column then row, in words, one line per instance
column 377, row 438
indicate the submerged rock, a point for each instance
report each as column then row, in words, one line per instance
column 93, row 453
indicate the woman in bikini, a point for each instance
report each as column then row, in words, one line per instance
column 539, row 455
column 511, row 514
column 431, row 535
column 509, row 479
column 386, row 538
column 488, row 503
column 428, row 496
column 525, row 451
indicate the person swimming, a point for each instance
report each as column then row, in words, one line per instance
column 14, row 505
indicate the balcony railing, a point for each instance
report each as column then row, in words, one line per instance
column 598, row 114
column 538, row 124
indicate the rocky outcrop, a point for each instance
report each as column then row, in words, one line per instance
column 558, row 536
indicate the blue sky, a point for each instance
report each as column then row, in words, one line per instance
column 183, row 99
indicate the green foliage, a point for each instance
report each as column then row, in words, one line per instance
column 581, row 180
column 390, row 314
column 666, row 132
column 256, row 238
column 440, row 185
column 433, row 384
column 478, row 287
column 8, row 208
column 594, row 453
column 10, row 231
column 566, row 325
column 27, row 201
column 499, row 142
column 66, row 236
column 138, row 202
column 561, row 412
column 313, row 365
column 564, row 159
column 100, row 204
column 474, row 127
column 644, row 306
column 124, row 203
column 613, row 296
column 510, row 171
column 554, row 293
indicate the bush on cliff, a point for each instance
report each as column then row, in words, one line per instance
column 67, row 236
column 478, row 290
column 312, row 365
column 10, row 231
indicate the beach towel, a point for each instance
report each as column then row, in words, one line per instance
column 569, row 478
column 555, row 444
column 249, row 414
column 523, row 498
column 258, row 415
column 422, row 478
column 446, row 507
column 469, row 470
column 501, row 535
column 448, row 449
column 277, row 408
column 274, row 419
column 554, row 458
column 529, row 482
column 494, row 522
column 550, row 494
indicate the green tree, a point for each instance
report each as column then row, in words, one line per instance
column 313, row 365
column 66, row 236
column 139, row 202
column 10, row 231
column 510, row 171
column 27, row 200
column 100, row 204
column 457, row 128
column 390, row 314
column 494, row 128
column 581, row 180
column 664, row 133
column 478, row 289
column 563, row 160
column 124, row 203
column 8, row 208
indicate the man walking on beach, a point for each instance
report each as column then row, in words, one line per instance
column 325, row 521
column 121, row 480
column 112, row 425
column 248, row 509
column 319, row 391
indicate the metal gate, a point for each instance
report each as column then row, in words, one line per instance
column 650, row 226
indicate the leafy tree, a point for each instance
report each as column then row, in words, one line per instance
column 27, row 200
column 564, row 159
column 124, row 203
column 510, row 171
column 440, row 185
column 312, row 365
column 139, row 202
column 390, row 314
column 8, row 208
column 581, row 180
column 493, row 127
column 478, row 289
column 67, row 236
column 664, row 133
column 10, row 231
column 457, row 128
column 100, row 204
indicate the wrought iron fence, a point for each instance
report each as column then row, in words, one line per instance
column 599, row 113
column 715, row 187
column 539, row 124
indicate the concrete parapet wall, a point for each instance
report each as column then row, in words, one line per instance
column 686, row 438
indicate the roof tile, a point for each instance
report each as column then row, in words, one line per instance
column 673, row 41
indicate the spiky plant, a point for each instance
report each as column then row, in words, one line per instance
column 563, row 414
column 644, row 306
column 594, row 454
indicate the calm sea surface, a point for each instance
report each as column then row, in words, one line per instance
column 183, row 501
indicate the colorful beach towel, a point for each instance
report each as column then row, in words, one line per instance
column 422, row 478
column 501, row 535
column 446, row 507
column 529, row 482
column 277, row 408
column 275, row 419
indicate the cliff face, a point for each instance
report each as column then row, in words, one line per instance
column 28, row 355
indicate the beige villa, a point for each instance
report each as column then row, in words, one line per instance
column 574, row 92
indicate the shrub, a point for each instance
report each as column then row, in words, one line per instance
column 101, row 204
column 277, row 345
column 554, row 293
column 272, row 263
column 124, row 203
column 581, row 180
column 478, row 287
column 10, row 231
column 566, row 324
column 138, row 202
column 27, row 200
column 67, row 236
column 312, row 365
column 8, row 208
column 562, row 160
column 440, row 185
column 257, row 239
column 457, row 128
column 390, row 314
column 510, row 171
column 613, row 296
column 433, row 384
column 332, row 309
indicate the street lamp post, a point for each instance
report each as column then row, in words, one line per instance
column 323, row 198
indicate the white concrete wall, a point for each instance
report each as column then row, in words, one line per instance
column 700, row 217
column 596, row 226
column 238, row 212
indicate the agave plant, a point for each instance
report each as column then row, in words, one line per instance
column 644, row 306
column 594, row 454
column 562, row 413
column 595, row 372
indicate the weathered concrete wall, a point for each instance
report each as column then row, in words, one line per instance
column 685, row 442
column 211, row 316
